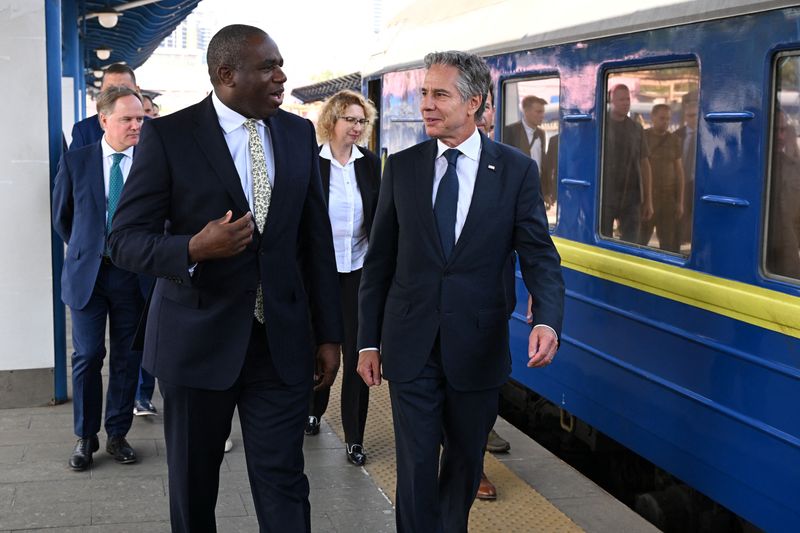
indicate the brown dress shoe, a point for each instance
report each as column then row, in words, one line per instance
column 486, row 490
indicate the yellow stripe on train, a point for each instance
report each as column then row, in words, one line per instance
column 765, row 308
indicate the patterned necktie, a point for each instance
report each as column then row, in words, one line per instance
column 262, row 194
column 114, row 191
column 444, row 208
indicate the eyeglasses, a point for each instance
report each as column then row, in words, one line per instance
column 353, row 121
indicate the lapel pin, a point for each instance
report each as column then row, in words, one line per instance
column 491, row 167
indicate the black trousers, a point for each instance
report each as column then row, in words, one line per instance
column 196, row 424
column 355, row 393
column 434, row 496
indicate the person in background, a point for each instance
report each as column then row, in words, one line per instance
column 433, row 311
column 627, row 184
column 351, row 178
column 783, row 235
column 666, row 167
column 247, row 283
column 495, row 443
column 86, row 192
column 688, row 139
column 149, row 106
column 88, row 130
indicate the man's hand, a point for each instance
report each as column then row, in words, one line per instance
column 221, row 238
column 369, row 367
column 542, row 346
column 327, row 365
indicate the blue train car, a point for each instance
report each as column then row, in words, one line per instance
column 688, row 353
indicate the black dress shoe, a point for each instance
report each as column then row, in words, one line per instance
column 356, row 454
column 312, row 426
column 81, row 456
column 120, row 450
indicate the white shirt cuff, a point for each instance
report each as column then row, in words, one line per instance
column 548, row 327
column 367, row 349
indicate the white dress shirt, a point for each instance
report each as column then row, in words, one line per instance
column 124, row 165
column 536, row 147
column 238, row 140
column 346, row 211
column 467, row 170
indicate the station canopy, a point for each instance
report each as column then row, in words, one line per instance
column 140, row 28
column 324, row 89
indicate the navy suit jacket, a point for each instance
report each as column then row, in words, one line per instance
column 368, row 178
column 79, row 218
column 85, row 132
column 198, row 326
column 410, row 293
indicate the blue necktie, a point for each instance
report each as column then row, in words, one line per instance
column 114, row 190
column 444, row 208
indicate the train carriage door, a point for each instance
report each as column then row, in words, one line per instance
column 530, row 122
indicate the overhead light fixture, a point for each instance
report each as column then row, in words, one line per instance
column 103, row 53
column 108, row 19
column 98, row 83
column 97, row 73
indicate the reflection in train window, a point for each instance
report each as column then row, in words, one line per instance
column 530, row 123
column 649, row 156
column 782, row 257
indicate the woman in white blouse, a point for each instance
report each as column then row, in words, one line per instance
column 351, row 179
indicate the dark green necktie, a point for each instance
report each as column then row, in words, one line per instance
column 114, row 189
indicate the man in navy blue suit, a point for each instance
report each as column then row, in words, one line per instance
column 88, row 130
column 86, row 192
column 433, row 308
column 247, row 281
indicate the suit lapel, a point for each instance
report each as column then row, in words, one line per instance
column 94, row 171
column 208, row 134
column 325, row 174
column 423, row 172
column 280, row 152
column 484, row 195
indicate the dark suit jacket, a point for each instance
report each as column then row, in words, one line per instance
column 198, row 327
column 410, row 293
column 514, row 135
column 85, row 132
column 79, row 218
column 368, row 178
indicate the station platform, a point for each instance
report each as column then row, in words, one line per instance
column 537, row 492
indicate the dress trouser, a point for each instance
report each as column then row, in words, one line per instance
column 355, row 393
column 427, row 412
column 196, row 424
column 116, row 297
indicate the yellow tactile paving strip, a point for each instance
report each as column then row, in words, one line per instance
column 518, row 508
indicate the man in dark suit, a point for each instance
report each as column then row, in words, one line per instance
column 86, row 192
column 245, row 272
column 688, row 139
column 433, row 309
column 88, row 130
column 529, row 137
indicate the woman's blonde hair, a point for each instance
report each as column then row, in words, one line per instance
column 335, row 108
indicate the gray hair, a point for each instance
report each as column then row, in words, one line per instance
column 474, row 78
column 227, row 46
column 107, row 99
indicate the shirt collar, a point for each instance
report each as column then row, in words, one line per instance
column 229, row 119
column 108, row 151
column 470, row 148
column 325, row 152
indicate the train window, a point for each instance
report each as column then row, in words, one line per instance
column 782, row 251
column 649, row 155
column 530, row 123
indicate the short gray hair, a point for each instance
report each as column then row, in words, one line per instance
column 474, row 77
column 107, row 99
